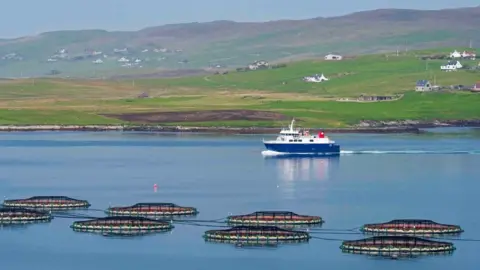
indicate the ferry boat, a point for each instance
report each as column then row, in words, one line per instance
column 299, row 142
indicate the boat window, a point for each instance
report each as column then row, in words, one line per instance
column 290, row 140
column 311, row 140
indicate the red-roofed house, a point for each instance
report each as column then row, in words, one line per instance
column 476, row 87
column 469, row 55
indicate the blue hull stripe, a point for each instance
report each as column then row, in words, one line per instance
column 303, row 148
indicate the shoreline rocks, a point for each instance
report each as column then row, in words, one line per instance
column 366, row 126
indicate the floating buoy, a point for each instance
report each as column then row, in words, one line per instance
column 274, row 218
column 152, row 210
column 47, row 203
column 396, row 245
column 411, row 227
column 155, row 187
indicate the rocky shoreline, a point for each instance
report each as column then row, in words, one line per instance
column 407, row 126
column 420, row 123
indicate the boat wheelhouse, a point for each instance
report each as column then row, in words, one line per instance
column 152, row 209
column 274, row 218
column 411, row 226
column 21, row 216
column 396, row 244
column 258, row 233
column 121, row 225
column 48, row 203
column 296, row 141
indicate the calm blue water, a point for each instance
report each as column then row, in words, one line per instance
column 382, row 178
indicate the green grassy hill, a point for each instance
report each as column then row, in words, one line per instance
column 55, row 101
column 370, row 74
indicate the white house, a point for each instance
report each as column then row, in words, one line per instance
column 333, row 57
column 315, row 78
column 258, row 65
column 98, row 61
column 123, row 60
column 120, row 50
column 451, row 66
column 469, row 55
column 455, row 54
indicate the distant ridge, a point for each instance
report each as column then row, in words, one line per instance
column 232, row 44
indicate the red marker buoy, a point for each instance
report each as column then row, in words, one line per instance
column 155, row 187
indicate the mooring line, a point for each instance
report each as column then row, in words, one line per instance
column 73, row 216
column 455, row 239
column 205, row 225
column 218, row 220
column 96, row 210
column 333, row 230
column 339, row 233
column 327, row 239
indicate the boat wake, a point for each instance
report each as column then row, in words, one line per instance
column 269, row 153
column 417, row 152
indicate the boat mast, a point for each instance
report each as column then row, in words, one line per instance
column 291, row 125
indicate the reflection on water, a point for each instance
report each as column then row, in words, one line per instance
column 303, row 168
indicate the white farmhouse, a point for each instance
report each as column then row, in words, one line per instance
column 451, row 66
column 258, row 65
column 315, row 78
column 455, row 54
column 333, row 57
column 123, row 60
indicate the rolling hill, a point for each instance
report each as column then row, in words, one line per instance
column 256, row 98
column 230, row 44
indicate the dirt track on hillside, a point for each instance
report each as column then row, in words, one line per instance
column 198, row 116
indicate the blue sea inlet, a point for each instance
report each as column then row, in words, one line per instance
column 377, row 178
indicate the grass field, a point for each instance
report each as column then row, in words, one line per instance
column 63, row 101
column 373, row 74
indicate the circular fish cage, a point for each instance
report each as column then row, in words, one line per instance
column 152, row 210
column 260, row 218
column 122, row 226
column 10, row 216
column 394, row 245
column 258, row 235
column 411, row 227
column 48, row 203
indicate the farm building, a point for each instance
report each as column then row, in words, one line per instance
column 469, row 55
column 423, row 85
column 258, row 65
column 333, row 57
column 455, row 54
column 451, row 66
column 476, row 87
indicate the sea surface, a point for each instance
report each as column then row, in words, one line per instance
column 377, row 178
